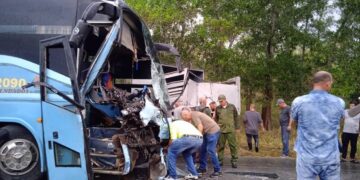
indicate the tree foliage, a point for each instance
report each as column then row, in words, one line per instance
column 273, row 45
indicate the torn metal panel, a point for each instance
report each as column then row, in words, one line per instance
column 150, row 113
column 127, row 38
column 157, row 74
column 128, row 120
column 100, row 60
column 173, row 51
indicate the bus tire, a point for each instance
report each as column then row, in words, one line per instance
column 21, row 154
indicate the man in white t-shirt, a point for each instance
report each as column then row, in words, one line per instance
column 350, row 134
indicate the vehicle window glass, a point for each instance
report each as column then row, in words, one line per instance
column 158, row 80
column 65, row 157
column 57, row 61
column 57, row 71
column 149, row 44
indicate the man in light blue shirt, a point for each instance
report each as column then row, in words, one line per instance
column 318, row 116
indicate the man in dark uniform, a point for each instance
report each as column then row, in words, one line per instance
column 227, row 117
column 203, row 106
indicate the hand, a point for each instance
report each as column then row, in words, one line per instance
column 263, row 129
column 289, row 128
column 237, row 131
column 165, row 150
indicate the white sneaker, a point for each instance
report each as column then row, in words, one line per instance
column 168, row 178
column 190, row 176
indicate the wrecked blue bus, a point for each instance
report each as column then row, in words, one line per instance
column 72, row 105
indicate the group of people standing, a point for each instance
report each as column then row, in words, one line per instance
column 317, row 116
column 203, row 130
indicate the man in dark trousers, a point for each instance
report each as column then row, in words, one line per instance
column 284, row 123
column 350, row 135
column 252, row 121
column 226, row 116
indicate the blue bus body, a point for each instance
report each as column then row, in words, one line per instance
column 23, row 107
column 52, row 124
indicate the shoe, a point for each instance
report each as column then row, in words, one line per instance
column 169, row 178
column 256, row 149
column 216, row 174
column 284, row 156
column 201, row 171
column 190, row 176
column 354, row 161
column 250, row 147
column 233, row 165
column 343, row 160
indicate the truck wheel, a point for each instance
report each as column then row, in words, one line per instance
column 19, row 155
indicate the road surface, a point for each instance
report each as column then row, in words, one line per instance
column 256, row 168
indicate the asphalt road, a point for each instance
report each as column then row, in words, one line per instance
column 253, row 168
column 256, row 168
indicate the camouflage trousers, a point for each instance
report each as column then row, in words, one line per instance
column 231, row 139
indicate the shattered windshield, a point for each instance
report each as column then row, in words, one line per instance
column 157, row 74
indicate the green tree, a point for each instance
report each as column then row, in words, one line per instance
column 274, row 45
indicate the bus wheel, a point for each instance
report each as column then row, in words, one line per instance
column 19, row 155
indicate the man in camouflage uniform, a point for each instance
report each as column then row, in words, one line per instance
column 227, row 117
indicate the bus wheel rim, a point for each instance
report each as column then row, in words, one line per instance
column 18, row 157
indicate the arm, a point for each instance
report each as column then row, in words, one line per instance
column 200, row 127
column 216, row 118
column 291, row 122
column 261, row 123
column 262, row 126
column 293, row 113
column 236, row 118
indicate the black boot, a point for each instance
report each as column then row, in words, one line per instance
column 233, row 165
column 250, row 146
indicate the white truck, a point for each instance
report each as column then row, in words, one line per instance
column 191, row 86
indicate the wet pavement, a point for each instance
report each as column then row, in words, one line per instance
column 256, row 168
column 260, row 168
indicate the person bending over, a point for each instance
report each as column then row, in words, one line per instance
column 211, row 131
